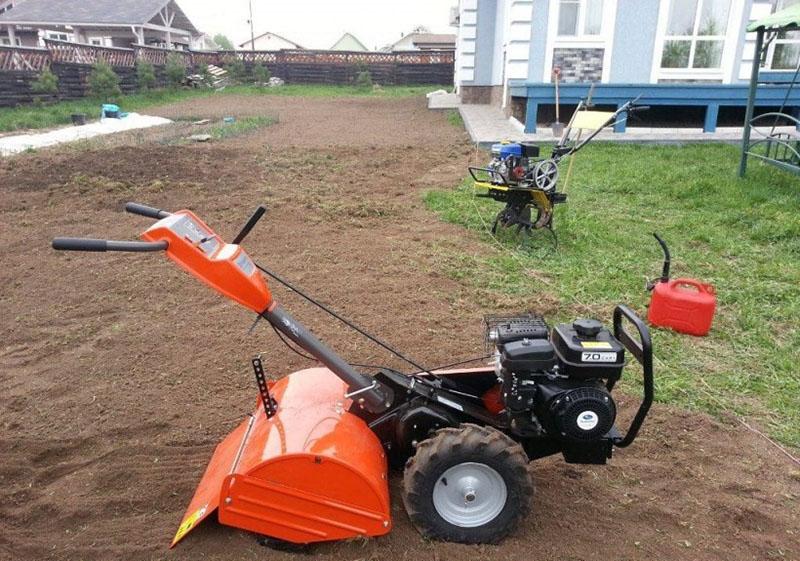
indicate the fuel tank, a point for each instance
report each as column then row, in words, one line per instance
column 312, row 472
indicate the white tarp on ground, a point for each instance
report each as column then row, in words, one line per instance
column 16, row 144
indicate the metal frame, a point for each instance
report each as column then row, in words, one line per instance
column 773, row 143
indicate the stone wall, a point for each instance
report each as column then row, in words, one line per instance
column 481, row 95
column 579, row 65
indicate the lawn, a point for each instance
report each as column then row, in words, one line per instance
column 743, row 236
column 45, row 116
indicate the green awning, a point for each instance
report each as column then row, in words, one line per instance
column 786, row 18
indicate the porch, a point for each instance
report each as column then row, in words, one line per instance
column 711, row 97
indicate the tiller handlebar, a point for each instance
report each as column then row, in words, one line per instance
column 228, row 269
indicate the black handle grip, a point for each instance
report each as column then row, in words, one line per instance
column 144, row 210
column 80, row 244
column 88, row 244
column 643, row 351
column 251, row 222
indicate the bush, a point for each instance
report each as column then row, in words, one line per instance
column 364, row 79
column 175, row 70
column 104, row 82
column 236, row 70
column 202, row 70
column 145, row 75
column 46, row 83
column 261, row 73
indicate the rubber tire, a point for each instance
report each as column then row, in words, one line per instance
column 467, row 443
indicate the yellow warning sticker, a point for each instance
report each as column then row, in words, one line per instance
column 595, row 344
column 189, row 523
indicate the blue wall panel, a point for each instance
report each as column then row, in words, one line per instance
column 634, row 41
column 484, row 42
column 538, row 43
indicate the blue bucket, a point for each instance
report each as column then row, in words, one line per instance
column 109, row 110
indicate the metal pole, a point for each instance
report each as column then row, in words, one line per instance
column 252, row 34
column 751, row 100
column 372, row 395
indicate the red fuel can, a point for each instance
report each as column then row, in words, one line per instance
column 685, row 305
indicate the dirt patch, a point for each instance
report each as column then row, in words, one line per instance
column 118, row 375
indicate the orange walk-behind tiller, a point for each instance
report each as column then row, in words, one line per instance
column 310, row 463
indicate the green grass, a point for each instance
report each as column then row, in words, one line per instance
column 743, row 236
column 45, row 116
column 454, row 118
column 239, row 127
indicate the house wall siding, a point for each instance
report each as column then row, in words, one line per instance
column 538, row 43
column 485, row 42
column 465, row 42
column 634, row 41
column 519, row 38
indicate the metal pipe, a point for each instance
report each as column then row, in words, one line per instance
column 364, row 389
column 252, row 33
column 751, row 100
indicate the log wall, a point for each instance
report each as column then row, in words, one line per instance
column 72, row 63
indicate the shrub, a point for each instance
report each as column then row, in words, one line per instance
column 236, row 70
column 364, row 79
column 261, row 73
column 175, row 70
column 202, row 70
column 145, row 75
column 46, row 83
column 104, row 82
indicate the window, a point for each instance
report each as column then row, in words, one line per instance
column 695, row 36
column 97, row 41
column 57, row 36
column 580, row 17
column 786, row 52
column 4, row 40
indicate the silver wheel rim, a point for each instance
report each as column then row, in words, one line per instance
column 469, row 495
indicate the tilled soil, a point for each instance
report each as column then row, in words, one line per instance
column 119, row 374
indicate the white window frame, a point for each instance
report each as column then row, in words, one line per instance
column 57, row 35
column 724, row 73
column 771, row 52
column 581, row 21
column 605, row 40
column 6, row 42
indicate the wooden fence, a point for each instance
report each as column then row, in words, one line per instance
column 24, row 58
column 71, row 62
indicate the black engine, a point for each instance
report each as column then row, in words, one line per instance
column 556, row 383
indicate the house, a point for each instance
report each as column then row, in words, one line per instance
column 348, row 42
column 270, row 42
column 204, row 42
column 694, row 55
column 423, row 41
column 109, row 23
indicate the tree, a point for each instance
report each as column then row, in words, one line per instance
column 104, row 82
column 236, row 70
column 145, row 75
column 223, row 42
column 261, row 73
column 46, row 83
column 364, row 80
column 175, row 69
